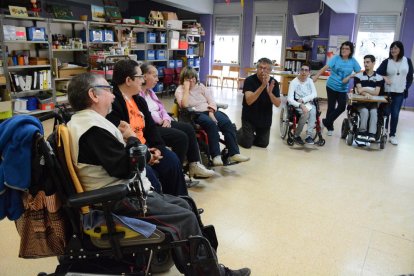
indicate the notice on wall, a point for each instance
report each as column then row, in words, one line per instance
column 335, row 42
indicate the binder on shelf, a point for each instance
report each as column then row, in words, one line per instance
column 35, row 82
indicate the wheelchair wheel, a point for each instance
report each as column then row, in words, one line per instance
column 344, row 128
column 162, row 261
column 321, row 142
column 349, row 138
column 290, row 141
column 383, row 141
column 284, row 122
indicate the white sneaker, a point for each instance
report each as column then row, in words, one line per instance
column 198, row 170
column 217, row 161
column 330, row 132
column 393, row 140
column 238, row 158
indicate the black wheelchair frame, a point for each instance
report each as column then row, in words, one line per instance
column 288, row 123
column 188, row 115
column 350, row 127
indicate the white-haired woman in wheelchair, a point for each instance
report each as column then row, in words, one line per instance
column 190, row 93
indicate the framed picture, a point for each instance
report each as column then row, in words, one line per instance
column 98, row 13
column 113, row 13
column 18, row 11
column 62, row 12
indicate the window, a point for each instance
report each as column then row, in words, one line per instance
column 375, row 35
column 268, row 37
column 226, row 39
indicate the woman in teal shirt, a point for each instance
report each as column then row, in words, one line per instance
column 343, row 68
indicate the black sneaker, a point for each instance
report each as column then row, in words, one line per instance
column 309, row 140
column 371, row 137
column 298, row 140
column 230, row 272
column 362, row 136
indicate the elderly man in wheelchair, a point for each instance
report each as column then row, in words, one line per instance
column 302, row 106
column 365, row 123
column 101, row 160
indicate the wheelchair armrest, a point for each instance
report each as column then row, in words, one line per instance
column 107, row 194
column 222, row 105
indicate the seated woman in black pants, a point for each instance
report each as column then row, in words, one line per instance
column 131, row 108
column 177, row 135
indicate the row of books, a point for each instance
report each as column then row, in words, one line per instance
column 36, row 80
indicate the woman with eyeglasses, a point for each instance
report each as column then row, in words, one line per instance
column 190, row 93
column 397, row 71
column 179, row 136
column 129, row 107
column 343, row 67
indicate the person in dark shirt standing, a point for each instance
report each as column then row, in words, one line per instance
column 261, row 92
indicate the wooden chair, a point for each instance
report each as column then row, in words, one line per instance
column 247, row 72
column 216, row 74
column 233, row 76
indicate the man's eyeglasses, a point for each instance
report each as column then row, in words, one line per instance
column 108, row 88
column 138, row 76
column 304, row 69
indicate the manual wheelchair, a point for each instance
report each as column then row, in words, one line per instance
column 350, row 125
column 288, row 123
column 188, row 115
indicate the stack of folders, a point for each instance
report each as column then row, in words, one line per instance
column 36, row 80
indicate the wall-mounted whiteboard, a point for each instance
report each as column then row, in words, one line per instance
column 306, row 24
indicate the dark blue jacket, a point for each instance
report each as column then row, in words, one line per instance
column 16, row 140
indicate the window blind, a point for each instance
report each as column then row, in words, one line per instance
column 269, row 25
column 228, row 25
column 378, row 23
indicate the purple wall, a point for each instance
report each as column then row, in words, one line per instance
column 407, row 38
column 246, row 36
column 206, row 21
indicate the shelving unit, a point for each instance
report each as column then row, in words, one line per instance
column 91, row 55
column 75, row 52
column 23, row 73
column 294, row 58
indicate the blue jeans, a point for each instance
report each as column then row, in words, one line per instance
column 225, row 126
column 170, row 173
column 393, row 110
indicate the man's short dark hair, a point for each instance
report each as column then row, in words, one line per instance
column 371, row 57
column 265, row 61
column 123, row 69
column 78, row 90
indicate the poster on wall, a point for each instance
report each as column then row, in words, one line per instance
column 335, row 42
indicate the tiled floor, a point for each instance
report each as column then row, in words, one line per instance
column 332, row 210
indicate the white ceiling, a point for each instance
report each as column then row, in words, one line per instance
column 196, row 6
column 343, row 6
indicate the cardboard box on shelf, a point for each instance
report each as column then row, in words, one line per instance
column 174, row 24
column 70, row 71
column 38, row 61
column 169, row 15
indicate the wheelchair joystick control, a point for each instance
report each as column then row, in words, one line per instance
column 137, row 157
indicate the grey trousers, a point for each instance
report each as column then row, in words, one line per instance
column 310, row 117
column 364, row 114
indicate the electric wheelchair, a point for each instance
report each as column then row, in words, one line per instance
column 111, row 247
column 289, row 118
column 350, row 125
